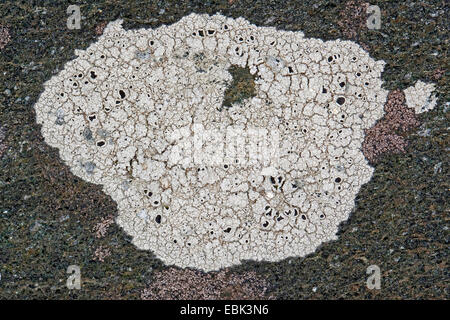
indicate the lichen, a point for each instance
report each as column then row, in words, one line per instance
column 176, row 284
column 353, row 18
column 385, row 137
column 5, row 37
column 3, row 145
column 139, row 113
column 420, row 98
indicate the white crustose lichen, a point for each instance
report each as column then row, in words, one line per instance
column 124, row 110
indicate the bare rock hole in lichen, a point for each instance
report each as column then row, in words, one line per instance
column 242, row 86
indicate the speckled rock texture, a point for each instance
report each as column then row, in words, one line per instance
column 50, row 219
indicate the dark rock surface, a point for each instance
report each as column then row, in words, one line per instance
column 48, row 217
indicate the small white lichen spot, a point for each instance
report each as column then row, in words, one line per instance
column 419, row 97
column 123, row 113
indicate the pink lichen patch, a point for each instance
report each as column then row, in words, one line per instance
column 4, row 36
column 380, row 140
column 101, row 253
column 353, row 18
column 437, row 74
column 364, row 46
column 175, row 284
column 3, row 146
column 384, row 137
column 101, row 228
column 100, row 27
column 398, row 115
